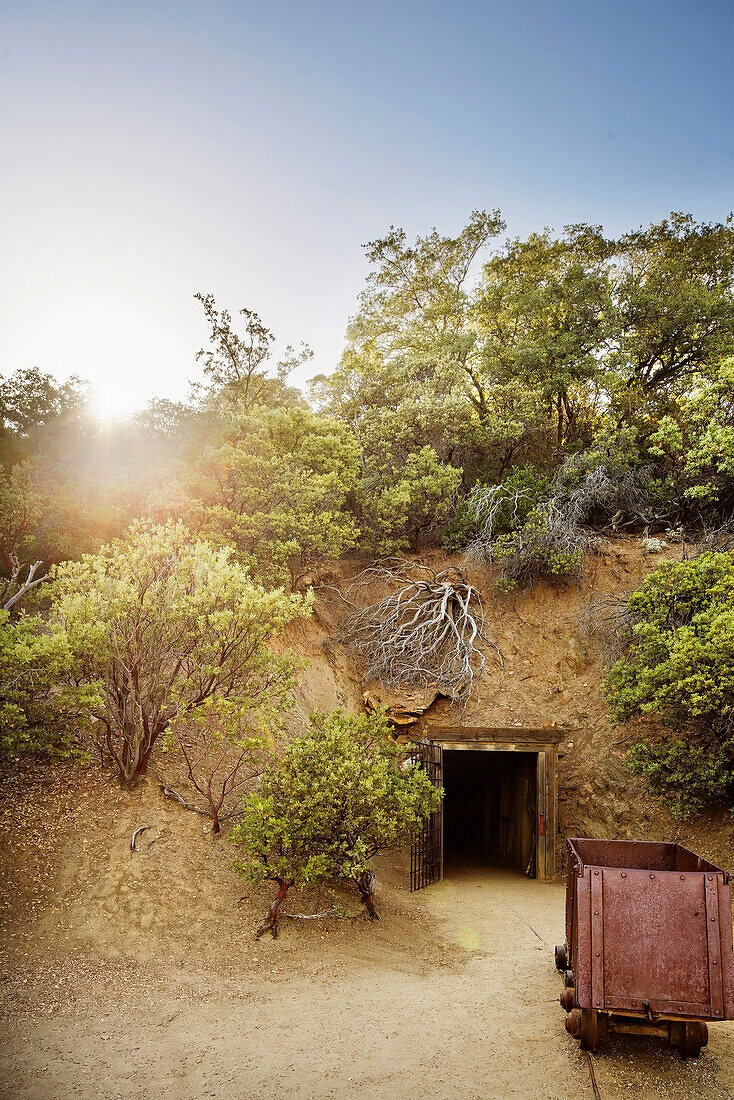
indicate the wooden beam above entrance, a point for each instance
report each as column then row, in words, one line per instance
column 523, row 734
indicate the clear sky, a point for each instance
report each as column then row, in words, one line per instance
column 150, row 150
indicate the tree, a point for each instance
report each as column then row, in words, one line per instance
column 338, row 796
column 277, row 490
column 401, row 508
column 543, row 316
column 674, row 301
column 237, row 364
column 164, row 624
column 680, row 666
column 224, row 744
column 412, row 335
column 693, row 443
column 33, row 407
column 21, row 507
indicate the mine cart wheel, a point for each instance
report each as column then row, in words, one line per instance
column 568, row 979
column 689, row 1036
column 589, row 1029
column 561, row 957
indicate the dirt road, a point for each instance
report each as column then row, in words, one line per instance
column 404, row 1028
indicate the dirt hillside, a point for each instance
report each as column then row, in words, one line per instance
column 549, row 675
column 136, row 974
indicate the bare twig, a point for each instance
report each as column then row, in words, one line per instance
column 312, row 916
column 608, row 624
column 13, row 588
column 135, row 836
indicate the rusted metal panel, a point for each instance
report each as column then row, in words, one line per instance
column 727, row 951
column 713, row 932
column 580, row 960
column 596, row 880
column 646, row 912
column 649, row 930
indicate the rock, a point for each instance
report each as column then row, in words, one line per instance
column 404, row 705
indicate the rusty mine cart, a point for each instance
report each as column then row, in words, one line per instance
column 648, row 943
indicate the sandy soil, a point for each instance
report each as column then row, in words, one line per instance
column 489, row 1027
column 137, row 976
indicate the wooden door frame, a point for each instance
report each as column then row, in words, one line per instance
column 542, row 742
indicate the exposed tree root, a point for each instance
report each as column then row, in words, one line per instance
column 426, row 632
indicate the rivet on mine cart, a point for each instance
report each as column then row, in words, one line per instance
column 648, row 946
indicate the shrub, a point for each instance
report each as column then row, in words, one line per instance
column 164, row 624
column 546, row 546
column 39, row 711
column 688, row 776
column 527, row 536
column 680, row 666
column 339, row 795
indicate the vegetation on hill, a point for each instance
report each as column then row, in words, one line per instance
column 502, row 399
column 679, row 665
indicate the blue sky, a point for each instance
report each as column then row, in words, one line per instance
column 152, row 150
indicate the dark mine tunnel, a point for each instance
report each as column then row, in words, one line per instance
column 490, row 807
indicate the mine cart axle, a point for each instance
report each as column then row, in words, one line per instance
column 592, row 1027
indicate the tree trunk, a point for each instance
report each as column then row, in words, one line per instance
column 271, row 925
column 366, row 886
column 215, row 819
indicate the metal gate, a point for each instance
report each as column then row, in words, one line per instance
column 426, row 851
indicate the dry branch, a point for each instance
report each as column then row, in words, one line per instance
column 14, row 587
column 428, row 631
column 608, row 624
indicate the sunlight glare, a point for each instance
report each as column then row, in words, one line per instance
column 113, row 404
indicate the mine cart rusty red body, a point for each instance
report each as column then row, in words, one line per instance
column 648, row 942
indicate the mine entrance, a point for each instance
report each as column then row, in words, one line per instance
column 489, row 808
column 500, row 801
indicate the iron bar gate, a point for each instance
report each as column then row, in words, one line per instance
column 426, row 851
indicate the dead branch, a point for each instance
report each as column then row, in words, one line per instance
column 607, row 622
column 14, row 588
column 136, row 834
column 312, row 916
column 532, row 537
column 428, row 631
column 170, row 793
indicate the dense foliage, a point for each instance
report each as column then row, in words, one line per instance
column 469, row 364
column 680, row 667
column 165, row 626
column 41, row 708
column 337, row 796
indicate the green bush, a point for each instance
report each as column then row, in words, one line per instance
column 546, row 546
column 39, row 712
column 338, row 795
column 680, row 667
column 689, row 777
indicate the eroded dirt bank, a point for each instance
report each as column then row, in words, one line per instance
column 549, row 674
